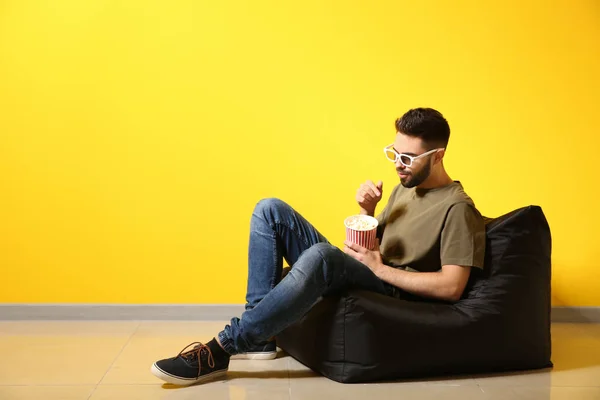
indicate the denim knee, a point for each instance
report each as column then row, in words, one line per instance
column 269, row 209
column 321, row 258
column 327, row 251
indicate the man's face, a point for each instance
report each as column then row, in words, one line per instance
column 420, row 169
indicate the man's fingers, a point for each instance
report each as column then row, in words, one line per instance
column 355, row 247
column 370, row 191
column 357, row 256
column 362, row 199
column 350, row 246
column 373, row 188
column 362, row 196
column 362, row 191
column 350, row 252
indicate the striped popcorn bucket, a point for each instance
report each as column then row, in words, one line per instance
column 362, row 230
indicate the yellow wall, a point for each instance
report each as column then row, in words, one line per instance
column 137, row 136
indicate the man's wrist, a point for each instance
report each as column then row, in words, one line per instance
column 381, row 270
column 367, row 212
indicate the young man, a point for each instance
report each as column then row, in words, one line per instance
column 431, row 236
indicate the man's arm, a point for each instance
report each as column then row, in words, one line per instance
column 446, row 284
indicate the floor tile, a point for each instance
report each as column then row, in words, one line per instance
column 540, row 393
column 252, row 389
column 582, row 377
column 295, row 365
column 311, row 388
column 45, row 392
column 593, row 330
column 56, row 353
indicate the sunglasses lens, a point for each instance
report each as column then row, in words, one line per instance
column 405, row 160
column 391, row 155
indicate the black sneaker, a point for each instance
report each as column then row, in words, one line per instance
column 200, row 364
column 263, row 352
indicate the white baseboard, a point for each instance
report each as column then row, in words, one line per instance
column 192, row 312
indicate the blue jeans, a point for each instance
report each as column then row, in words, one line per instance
column 318, row 268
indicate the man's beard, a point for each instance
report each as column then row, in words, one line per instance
column 418, row 178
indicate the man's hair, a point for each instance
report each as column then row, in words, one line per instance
column 427, row 124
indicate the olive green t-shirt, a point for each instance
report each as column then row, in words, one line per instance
column 423, row 229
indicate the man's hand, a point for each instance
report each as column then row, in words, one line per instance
column 368, row 195
column 371, row 258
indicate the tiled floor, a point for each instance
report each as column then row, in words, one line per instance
column 111, row 360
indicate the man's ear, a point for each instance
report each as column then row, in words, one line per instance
column 439, row 155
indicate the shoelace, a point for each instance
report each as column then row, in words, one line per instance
column 196, row 351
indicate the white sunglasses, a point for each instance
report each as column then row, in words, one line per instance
column 405, row 159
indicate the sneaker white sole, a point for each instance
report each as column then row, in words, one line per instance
column 175, row 380
column 267, row 355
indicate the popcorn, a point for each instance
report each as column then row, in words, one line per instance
column 360, row 224
column 362, row 230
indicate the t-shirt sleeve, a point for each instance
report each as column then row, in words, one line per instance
column 463, row 237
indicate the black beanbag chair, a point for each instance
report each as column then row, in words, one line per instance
column 501, row 323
